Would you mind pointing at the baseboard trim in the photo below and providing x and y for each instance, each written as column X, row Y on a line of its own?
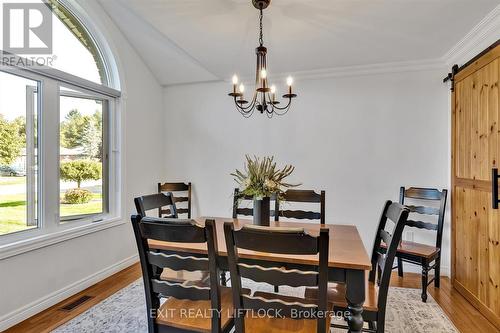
column 43, row 303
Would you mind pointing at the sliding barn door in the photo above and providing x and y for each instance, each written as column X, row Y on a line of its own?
column 475, row 152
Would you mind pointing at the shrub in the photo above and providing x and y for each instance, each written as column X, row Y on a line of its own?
column 80, row 170
column 77, row 196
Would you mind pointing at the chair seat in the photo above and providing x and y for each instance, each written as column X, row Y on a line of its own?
column 182, row 276
column 337, row 292
column 176, row 313
column 257, row 324
column 416, row 249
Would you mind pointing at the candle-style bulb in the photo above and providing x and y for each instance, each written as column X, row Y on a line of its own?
column 235, row 79
column 263, row 73
column 289, row 81
column 273, row 89
column 242, row 88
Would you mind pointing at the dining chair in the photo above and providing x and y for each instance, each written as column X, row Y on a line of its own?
column 282, row 313
column 237, row 210
column 158, row 201
column 377, row 284
column 183, row 299
column 301, row 196
column 184, row 196
column 429, row 257
column 238, row 199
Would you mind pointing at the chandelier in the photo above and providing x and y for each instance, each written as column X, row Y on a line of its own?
column 264, row 95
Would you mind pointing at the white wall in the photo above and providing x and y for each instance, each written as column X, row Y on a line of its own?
column 37, row 279
column 359, row 138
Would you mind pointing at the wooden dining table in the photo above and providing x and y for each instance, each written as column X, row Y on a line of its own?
column 348, row 261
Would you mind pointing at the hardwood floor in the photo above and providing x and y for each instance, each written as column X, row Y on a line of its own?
column 463, row 315
column 54, row 316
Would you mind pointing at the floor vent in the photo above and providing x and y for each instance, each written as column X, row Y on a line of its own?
column 76, row 303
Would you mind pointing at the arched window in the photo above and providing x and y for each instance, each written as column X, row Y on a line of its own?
column 58, row 123
column 72, row 40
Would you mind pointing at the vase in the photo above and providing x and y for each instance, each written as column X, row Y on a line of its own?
column 261, row 211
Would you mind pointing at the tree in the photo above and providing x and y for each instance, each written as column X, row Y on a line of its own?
column 20, row 122
column 82, row 131
column 97, row 116
column 72, row 129
column 90, row 140
column 11, row 142
column 80, row 170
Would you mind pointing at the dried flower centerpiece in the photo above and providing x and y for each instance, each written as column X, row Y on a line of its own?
column 262, row 180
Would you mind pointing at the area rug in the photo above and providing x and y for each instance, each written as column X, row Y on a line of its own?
column 125, row 311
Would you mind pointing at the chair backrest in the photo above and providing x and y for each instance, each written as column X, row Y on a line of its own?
column 304, row 196
column 153, row 262
column 426, row 195
column 238, row 199
column 156, row 201
column 277, row 240
column 382, row 258
column 184, row 196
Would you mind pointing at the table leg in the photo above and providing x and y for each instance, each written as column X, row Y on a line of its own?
column 355, row 296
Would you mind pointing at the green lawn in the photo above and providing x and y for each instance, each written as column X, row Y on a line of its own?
column 94, row 206
column 12, row 180
column 13, row 211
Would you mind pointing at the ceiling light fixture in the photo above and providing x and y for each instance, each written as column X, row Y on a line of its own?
column 264, row 96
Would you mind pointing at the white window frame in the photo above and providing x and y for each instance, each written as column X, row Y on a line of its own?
column 50, row 230
column 107, row 106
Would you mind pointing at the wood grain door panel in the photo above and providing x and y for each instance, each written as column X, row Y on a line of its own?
column 472, row 258
column 477, row 124
column 475, row 151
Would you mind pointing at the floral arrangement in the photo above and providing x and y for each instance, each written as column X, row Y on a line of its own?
column 261, row 178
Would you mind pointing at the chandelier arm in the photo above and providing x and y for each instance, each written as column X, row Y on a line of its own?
column 245, row 114
column 270, row 108
column 274, row 108
column 284, row 107
column 238, row 105
column 249, row 107
column 282, row 113
column 271, row 104
column 240, row 110
column 243, row 111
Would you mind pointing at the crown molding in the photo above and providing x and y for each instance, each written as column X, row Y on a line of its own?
column 485, row 33
column 345, row 71
column 371, row 69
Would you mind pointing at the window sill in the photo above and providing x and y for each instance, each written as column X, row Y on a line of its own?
column 37, row 242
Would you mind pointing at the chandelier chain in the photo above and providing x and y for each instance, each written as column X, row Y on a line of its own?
column 261, row 35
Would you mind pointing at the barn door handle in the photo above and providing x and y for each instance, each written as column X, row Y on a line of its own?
column 494, row 187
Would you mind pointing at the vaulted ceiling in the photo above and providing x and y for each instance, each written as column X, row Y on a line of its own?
column 186, row 41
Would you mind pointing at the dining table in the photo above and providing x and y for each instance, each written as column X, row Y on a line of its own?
column 348, row 260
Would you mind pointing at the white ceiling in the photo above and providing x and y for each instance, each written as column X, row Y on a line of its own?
column 185, row 41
